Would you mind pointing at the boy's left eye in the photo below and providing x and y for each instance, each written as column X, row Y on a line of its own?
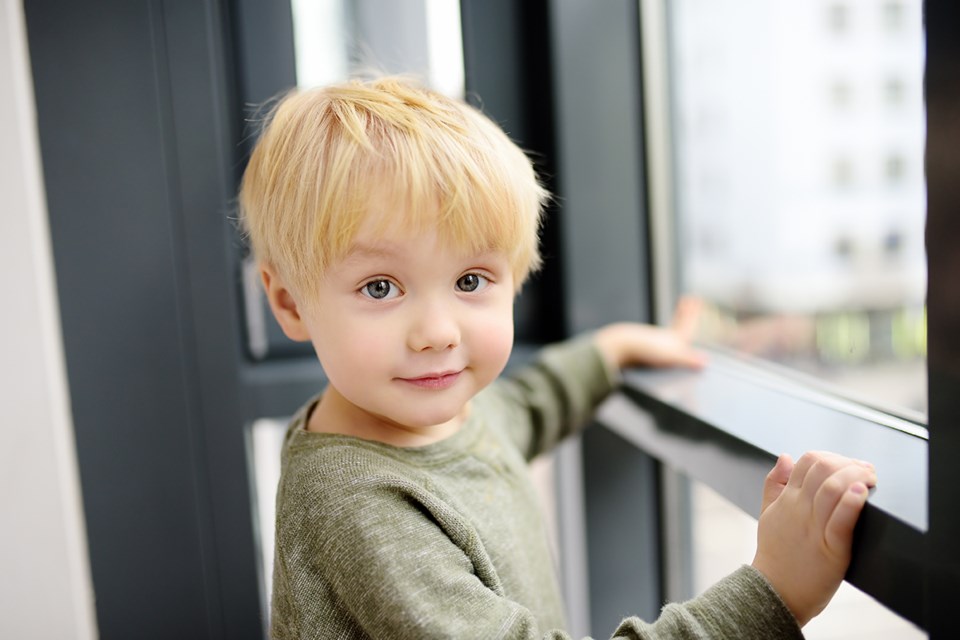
column 472, row 282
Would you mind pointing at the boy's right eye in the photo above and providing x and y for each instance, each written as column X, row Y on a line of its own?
column 380, row 290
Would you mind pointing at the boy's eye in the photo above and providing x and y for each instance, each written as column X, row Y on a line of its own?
column 472, row 282
column 380, row 290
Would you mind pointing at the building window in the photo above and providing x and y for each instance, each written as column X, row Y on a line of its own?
column 838, row 17
column 894, row 92
column 841, row 94
column 894, row 169
column 842, row 173
column 894, row 16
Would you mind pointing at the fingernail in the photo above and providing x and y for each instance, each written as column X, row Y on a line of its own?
column 858, row 488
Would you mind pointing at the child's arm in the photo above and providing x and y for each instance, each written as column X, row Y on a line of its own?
column 629, row 343
column 806, row 527
column 555, row 395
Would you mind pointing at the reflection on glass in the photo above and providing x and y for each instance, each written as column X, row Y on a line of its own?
column 336, row 39
column 798, row 147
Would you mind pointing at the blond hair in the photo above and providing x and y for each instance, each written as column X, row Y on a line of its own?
column 324, row 152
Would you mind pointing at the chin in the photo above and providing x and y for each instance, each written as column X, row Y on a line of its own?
column 431, row 419
column 430, row 422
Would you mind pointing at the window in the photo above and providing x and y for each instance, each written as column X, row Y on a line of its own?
column 821, row 275
column 800, row 215
column 838, row 17
column 894, row 15
column 894, row 92
column 841, row 94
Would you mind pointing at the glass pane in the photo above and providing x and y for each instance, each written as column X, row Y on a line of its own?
column 335, row 39
column 798, row 137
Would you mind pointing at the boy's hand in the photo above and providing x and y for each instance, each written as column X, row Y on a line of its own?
column 806, row 527
column 629, row 343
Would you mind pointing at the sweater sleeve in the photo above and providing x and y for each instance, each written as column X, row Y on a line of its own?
column 555, row 395
column 742, row 605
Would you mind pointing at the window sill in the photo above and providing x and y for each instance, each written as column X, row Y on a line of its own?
column 725, row 425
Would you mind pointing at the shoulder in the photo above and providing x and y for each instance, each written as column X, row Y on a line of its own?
column 348, row 504
column 320, row 469
column 341, row 482
column 337, row 494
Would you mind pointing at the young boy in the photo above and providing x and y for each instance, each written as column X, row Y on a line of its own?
column 393, row 227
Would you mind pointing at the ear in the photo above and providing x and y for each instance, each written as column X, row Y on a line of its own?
column 284, row 306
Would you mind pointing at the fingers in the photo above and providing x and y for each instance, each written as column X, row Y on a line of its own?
column 843, row 518
column 806, row 462
column 814, row 467
column 831, row 494
column 836, row 487
column 776, row 480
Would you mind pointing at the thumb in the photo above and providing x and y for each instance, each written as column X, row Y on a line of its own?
column 776, row 480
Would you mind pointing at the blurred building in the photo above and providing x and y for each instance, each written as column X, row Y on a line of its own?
column 799, row 171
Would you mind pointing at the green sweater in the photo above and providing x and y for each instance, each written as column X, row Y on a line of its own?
column 447, row 540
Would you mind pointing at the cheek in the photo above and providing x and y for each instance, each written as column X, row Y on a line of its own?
column 497, row 339
column 501, row 339
column 349, row 351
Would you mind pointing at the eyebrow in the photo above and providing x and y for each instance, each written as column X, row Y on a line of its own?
column 386, row 251
column 369, row 251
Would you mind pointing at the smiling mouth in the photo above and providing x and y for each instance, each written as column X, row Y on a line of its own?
column 433, row 381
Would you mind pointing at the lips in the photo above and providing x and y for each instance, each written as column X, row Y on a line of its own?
column 434, row 381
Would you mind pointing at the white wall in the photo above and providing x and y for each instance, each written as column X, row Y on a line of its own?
column 45, row 586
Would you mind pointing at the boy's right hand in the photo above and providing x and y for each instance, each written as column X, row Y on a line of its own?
column 806, row 527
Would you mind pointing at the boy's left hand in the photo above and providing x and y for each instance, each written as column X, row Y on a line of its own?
column 629, row 343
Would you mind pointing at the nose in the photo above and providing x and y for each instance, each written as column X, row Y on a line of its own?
column 433, row 326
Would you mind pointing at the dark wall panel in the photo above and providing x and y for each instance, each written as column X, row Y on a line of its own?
column 134, row 118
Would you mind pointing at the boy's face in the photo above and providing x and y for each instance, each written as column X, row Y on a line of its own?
column 408, row 329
